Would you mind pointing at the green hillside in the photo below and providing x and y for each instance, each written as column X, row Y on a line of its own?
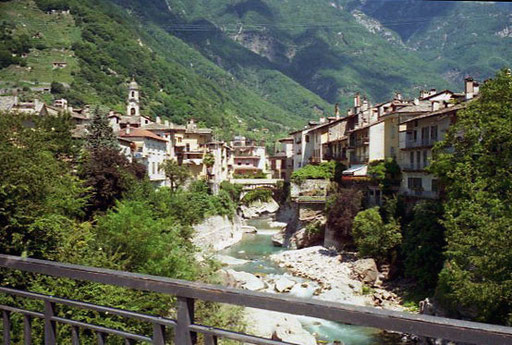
column 104, row 47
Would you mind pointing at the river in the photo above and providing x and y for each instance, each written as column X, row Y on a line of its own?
column 258, row 247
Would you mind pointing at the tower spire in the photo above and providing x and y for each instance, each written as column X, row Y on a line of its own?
column 133, row 104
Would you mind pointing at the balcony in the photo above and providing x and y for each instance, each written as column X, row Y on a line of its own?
column 183, row 330
column 359, row 160
column 414, row 167
column 416, row 144
column 315, row 160
column 422, row 194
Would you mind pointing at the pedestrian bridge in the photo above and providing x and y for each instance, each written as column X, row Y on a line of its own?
column 183, row 330
column 249, row 184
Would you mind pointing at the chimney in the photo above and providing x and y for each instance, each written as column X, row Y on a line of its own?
column 337, row 110
column 366, row 104
column 166, row 123
column 416, row 101
column 357, row 100
column 323, row 120
column 469, row 88
column 423, row 94
column 432, row 92
column 128, row 129
column 158, row 120
column 398, row 96
column 435, row 106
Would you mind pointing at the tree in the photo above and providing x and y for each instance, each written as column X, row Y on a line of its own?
column 474, row 164
column 386, row 173
column 341, row 209
column 101, row 135
column 177, row 174
column 373, row 237
column 423, row 244
column 57, row 88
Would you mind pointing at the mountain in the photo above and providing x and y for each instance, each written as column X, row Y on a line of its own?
column 104, row 46
column 245, row 66
column 459, row 38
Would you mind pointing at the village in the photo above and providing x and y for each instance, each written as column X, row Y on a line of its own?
column 401, row 130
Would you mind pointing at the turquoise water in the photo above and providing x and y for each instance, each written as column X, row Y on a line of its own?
column 258, row 247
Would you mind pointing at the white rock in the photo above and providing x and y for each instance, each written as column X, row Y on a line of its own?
column 284, row 284
column 290, row 330
column 249, row 229
column 247, row 281
column 279, row 225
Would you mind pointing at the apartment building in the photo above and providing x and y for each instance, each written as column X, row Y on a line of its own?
column 249, row 157
column 281, row 162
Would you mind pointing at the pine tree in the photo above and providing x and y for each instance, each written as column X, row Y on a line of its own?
column 101, row 135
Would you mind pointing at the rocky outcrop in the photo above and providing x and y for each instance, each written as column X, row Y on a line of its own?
column 366, row 271
column 290, row 330
column 278, row 239
column 278, row 326
column 217, row 233
column 242, row 280
column 259, row 208
column 284, row 284
column 307, row 238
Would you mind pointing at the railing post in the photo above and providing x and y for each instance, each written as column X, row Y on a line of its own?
column 210, row 340
column 158, row 334
column 50, row 334
column 185, row 319
column 75, row 336
column 101, row 338
column 27, row 330
column 7, row 327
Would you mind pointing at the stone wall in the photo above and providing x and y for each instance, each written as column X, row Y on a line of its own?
column 217, row 233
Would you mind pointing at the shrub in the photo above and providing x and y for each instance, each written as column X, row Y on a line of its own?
column 341, row 208
column 233, row 190
column 373, row 237
column 261, row 194
column 326, row 171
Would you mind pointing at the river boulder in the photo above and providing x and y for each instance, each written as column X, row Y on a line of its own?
column 284, row 284
column 278, row 239
column 246, row 280
column 290, row 330
column 366, row 271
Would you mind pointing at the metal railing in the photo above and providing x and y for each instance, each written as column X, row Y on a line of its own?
column 184, row 326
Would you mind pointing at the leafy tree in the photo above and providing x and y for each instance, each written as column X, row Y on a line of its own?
column 423, row 244
column 474, row 164
column 341, row 209
column 209, row 160
column 108, row 175
column 101, row 135
column 386, row 173
column 176, row 173
column 373, row 237
column 57, row 88
column 325, row 170
column 234, row 190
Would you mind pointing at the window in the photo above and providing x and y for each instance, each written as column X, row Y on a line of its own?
column 414, row 183
column 425, row 158
column 132, row 111
column 411, row 159
column 307, row 138
column 133, row 94
column 433, row 133
column 415, row 135
column 418, row 159
column 425, row 135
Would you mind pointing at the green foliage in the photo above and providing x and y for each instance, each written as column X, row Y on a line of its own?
column 341, row 208
column 324, row 170
column 477, row 278
column 57, row 88
column 260, row 194
column 209, row 160
column 101, row 136
column 423, row 244
column 250, row 175
column 176, row 173
column 386, row 173
column 373, row 237
column 234, row 190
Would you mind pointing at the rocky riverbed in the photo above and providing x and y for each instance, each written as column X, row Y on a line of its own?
column 315, row 272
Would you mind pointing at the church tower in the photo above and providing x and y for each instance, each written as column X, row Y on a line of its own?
column 133, row 107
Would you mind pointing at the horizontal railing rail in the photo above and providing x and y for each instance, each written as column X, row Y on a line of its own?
column 185, row 328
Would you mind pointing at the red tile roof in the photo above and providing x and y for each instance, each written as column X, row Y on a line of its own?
column 140, row 133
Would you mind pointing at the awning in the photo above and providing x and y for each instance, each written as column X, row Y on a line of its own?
column 356, row 170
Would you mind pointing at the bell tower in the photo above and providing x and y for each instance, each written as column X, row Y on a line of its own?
column 133, row 106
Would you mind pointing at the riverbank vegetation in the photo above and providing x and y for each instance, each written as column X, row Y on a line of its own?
column 50, row 192
column 456, row 249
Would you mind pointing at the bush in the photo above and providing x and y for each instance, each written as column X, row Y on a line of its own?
column 233, row 190
column 323, row 171
column 261, row 194
column 341, row 208
column 373, row 237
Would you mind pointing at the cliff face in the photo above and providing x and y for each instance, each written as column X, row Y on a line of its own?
column 217, row 233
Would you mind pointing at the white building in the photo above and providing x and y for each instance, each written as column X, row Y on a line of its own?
column 148, row 149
